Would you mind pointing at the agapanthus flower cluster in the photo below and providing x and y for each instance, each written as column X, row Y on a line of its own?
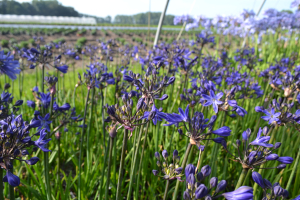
column 279, row 113
column 168, row 170
column 257, row 152
column 5, row 104
column 221, row 102
column 246, row 57
column 126, row 116
column 17, row 142
column 270, row 192
column 195, row 189
column 198, row 128
column 150, row 86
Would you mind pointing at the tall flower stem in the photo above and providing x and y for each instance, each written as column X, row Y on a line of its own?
column 102, row 109
column 182, row 165
column 124, row 147
column 242, row 178
column 166, row 189
column 111, row 142
column 293, row 171
column 11, row 188
column 89, row 130
column 81, row 145
column 134, row 163
column 142, row 156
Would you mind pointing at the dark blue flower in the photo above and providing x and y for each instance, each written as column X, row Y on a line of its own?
column 285, row 160
column 63, row 69
column 213, row 99
column 40, row 143
column 31, row 104
column 12, row 179
column 271, row 116
column 224, row 131
column 45, row 99
column 158, row 115
column 261, row 140
column 175, row 118
column 45, row 122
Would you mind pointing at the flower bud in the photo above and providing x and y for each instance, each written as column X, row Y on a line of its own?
column 158, row 163
column 165, row 154
column 201, row 191
column 277, row 145
column 113, row 132
column 258, row 179
column 268, row 184
column 206, row 170
column 221, row 186
column 157, row 156
column 175, row 154
column 155, row 172
column 272, row 156
column 180, row 131
column 6, row 86
column 57, row 135
column 238, row 142
column 278, row 191
column 186, row 195
column 213, row 182
column 281, row 166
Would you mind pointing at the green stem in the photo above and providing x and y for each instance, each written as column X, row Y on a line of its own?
column 102, row 175
column 182, row 165
column 242, row 178
column 166, row 189
column 103, row 125
column 134, row 163
column 111, row 141
column 142, row 155
column 81, row 145
column 89, row 130
column 124, row 147
column 293, row 172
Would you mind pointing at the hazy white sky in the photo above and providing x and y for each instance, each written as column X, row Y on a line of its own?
column 209, row 8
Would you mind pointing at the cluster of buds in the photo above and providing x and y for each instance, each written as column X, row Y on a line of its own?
column 125, row 116
column 6, row 101
column 150, row 87
column 198, row 128
column 15, row 143
column 51, row 82
column 256, row 153
column 169, row 170
column 275, row 191
column 195, row 189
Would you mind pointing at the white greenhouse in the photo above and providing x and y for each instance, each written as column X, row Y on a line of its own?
column 47, row 19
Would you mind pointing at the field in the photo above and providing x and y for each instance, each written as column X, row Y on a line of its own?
column 114, row 158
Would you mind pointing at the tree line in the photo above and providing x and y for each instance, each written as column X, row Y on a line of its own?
column 54, row 8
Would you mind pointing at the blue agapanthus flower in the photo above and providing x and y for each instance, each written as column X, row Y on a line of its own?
column 45, row 99
column 213, row 99
column 158, row 115
column 9, row 66
column 45, row 122
column 271, row 116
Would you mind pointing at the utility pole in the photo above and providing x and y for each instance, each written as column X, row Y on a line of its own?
column 161, row 20
column 262, row 5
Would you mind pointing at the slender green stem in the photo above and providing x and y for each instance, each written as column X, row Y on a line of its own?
column 242, row 178
column 187, row 152
column 166, row 189
column 102, row 175
column 111, row 142
column 293, row 172
column 102, row 111
column 142, row 156
column 124, row 147
column 134, row 164
column 81, row 144
column 89, row 130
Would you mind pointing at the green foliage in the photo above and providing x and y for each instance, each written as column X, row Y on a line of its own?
column 59, row 40
column 31, row 42
column 23, row 44
column 80, row 42
column 4, row 43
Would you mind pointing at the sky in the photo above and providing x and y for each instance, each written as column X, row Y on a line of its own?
column 208, row 8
